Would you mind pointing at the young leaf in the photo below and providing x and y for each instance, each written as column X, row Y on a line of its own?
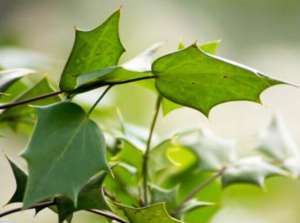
column 24, row 113
column 220, row 155
column 8, row 77
column 75, row 151
column 213, row 152
column 199, row 80
column 149, row 214
column 21, row 180
column 251, row 170
column 93, row 50
column 90, row 197
column 277, row 144
column 168, row 196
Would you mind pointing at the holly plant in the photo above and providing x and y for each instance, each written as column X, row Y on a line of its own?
column 77, row 160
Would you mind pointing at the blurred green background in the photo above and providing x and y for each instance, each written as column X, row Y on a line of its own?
column 264, row 34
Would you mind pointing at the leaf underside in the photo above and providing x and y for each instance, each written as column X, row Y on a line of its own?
column 199, row 80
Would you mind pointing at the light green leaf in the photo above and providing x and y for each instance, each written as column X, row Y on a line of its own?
column 252, row 170
column 277, row 144
column 220, row 155
column 213, row 152
column 149, row 214
column 93, row 50
column 24, row 113
column 75, row 151
column 192, row 205
column 168, row 196
column 130, row 154
column 139, row 66
column 193, row 78
column 208, row 47
column 21, row 180
column 8, row 77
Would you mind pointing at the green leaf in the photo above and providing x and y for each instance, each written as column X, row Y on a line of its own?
column 129, row 154
column 215, row 154
column 168, row 196
column 9, row 77
column 149, row 214
column 21, row 180
column 75, row 151
column 24, row 113
column 251, row 170
column 208, row 47
column 276, row 143
column 93, row 50
column 139, row 66
column 193, row 205
column 193, row 78
column 90, row 197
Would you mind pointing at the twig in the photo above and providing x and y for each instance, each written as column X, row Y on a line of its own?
column 39, row 205
column 196, row 190
column 99, row 99
column 17, row 103
column 107, row 215
column 146, row 154
column 77, row 90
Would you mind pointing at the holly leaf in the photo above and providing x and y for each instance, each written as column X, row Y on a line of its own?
column 25, row 113
column 208, row 47
column 9, row 77
column 168, row 196
column 276, row 143
column 139, row 66
column 75, row 151
column 90, row 197
column 149, row 214
column 130, row 154
column 21, row 180
column 251, row 170
column 213, row 152
column 183, row 78
column 216, row 154
column 93, row 50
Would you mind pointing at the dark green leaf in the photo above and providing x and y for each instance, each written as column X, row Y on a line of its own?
column 199, row 80
column 93, row 50
column 75, row 151
column 90, row 197
column 21, row 180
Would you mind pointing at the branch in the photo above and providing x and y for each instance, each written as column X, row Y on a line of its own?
column 39, row 205
column 17, row 103
column 50, row 203
column 146, row 155
column 200, row 187
column 77, row 90
column 108, row 215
